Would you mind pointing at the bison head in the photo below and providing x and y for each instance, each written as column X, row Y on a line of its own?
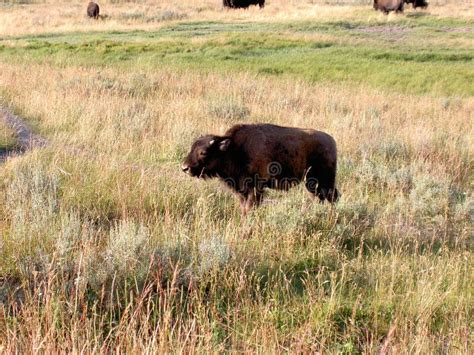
column 206, row 156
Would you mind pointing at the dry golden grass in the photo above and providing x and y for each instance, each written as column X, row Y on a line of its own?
column 105, row 245
column 116, row 140
column 417, row 121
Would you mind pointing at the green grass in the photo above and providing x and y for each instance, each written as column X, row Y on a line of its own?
column 7, row 138
column 423, row 58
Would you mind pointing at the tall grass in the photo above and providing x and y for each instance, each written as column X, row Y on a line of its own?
column 105, row 245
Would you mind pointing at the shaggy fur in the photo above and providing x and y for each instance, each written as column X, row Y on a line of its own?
column 236, row 4
column 251, row 157
column 389, row 5
column 93, row 10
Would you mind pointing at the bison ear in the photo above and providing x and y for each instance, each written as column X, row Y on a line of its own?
column 223, row 145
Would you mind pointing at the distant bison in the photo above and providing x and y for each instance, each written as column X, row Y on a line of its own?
column 93, row 10
column 417, row 3
column 389, row 5
column 251, row 157
column 236, row 4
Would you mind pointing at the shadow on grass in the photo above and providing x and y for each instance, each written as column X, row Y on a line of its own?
column 11, row 150
column 417, row 14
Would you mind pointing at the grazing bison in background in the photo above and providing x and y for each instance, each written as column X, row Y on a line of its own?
column 417, row 3
column 239, row 4
column 251, row 157
column 93, row 10
column 389, row 5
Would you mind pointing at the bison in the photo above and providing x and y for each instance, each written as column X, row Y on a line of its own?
column 389, row 5
column 93, row 10
column 417, row 3
column 251, row 157
column 239, row 4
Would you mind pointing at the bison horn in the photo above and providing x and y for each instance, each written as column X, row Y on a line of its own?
column 211, row 142
column 224, row 144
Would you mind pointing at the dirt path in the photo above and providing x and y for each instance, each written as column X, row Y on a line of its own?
column 26, row 138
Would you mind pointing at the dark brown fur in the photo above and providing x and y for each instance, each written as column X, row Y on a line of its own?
column 93, row 10
column 389, row 5
column 417, row 3
column 236, row 4
column 251, row 157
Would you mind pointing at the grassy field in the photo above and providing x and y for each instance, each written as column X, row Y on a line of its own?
column 105, row 244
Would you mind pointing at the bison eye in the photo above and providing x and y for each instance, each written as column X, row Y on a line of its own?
column 202, row 153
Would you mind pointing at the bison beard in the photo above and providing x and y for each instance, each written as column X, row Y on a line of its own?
column 93, row 10
column 250, row 158
column 236, row 4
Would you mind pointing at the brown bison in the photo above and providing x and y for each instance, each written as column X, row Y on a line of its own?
column 93, row 10
column 251, row 157
column 417, row 3
column 389, row 5
column 243, row 4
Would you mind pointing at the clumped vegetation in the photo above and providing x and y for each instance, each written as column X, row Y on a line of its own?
column 7, row 138
column 106, row 245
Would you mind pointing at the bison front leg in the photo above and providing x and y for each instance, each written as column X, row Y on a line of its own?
column 243, row 202
column 248, row 201
column 321, row 184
